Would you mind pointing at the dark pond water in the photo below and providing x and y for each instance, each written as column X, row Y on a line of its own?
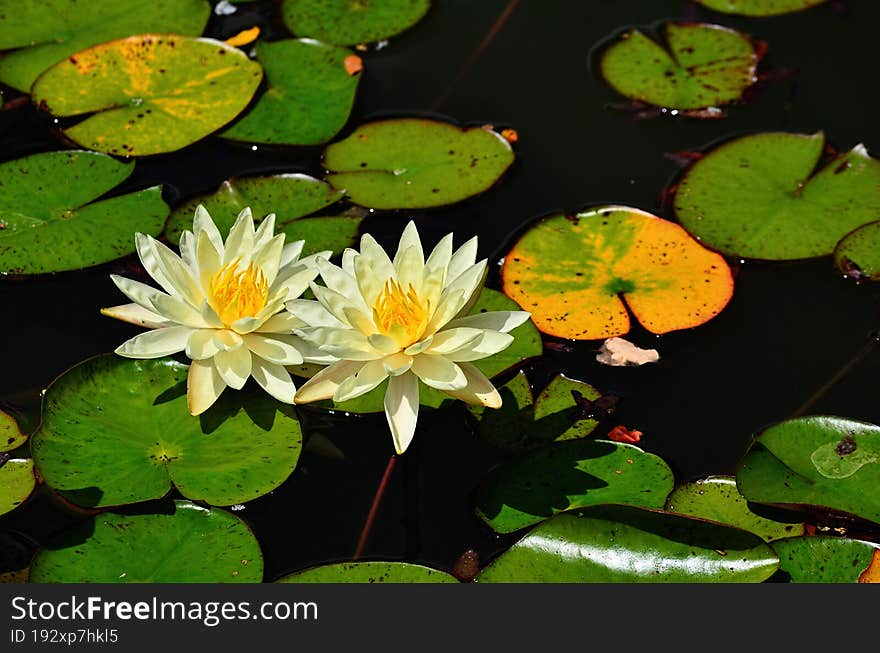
column 789, row 330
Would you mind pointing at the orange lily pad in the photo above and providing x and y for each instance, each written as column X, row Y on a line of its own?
column 578, row 274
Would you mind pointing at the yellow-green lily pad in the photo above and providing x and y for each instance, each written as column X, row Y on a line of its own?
column 825, row 559
column 761, row 196
column 47, row 31
column 351, row 22
column 51, row 221
column 412, row 163
column 16, row 483
column 118, row 431
column 149, row 93
column 759, row 7
column 698, row 66
column 308, row 97
column 370, row 572
column 181, row 543
column 857, row 255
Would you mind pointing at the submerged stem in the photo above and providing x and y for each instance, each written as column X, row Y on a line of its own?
column 371, row 516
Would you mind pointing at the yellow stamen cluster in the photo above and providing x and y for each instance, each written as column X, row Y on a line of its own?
column 238, row 293
column 400, row 314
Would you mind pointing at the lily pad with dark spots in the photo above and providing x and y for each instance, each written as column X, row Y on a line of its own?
column 13, row 432
column 716, row 498
column 351, row 22
column 150, row 93
column 762, row 196
column 857, row 255
column 620, row 544
column 308, row 97
column 824, row 559
column 820, row 463
column 698, row 66
column 16, row 483
column 569, row 475
column 369, row 572
column 180, row 543
column 118, row 431
column 411, row 163
column 288, row 196
column 577, row 274
column 51, row 222
column 48, row 31
column 760, row 7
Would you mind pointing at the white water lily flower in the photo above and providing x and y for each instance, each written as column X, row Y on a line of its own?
column 223, row 305
column 406, row 319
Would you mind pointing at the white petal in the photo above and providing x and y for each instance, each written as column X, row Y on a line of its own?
column 419, row 347
column 342, row 343
column 479, row 390
column 168, row 270
column 187, row 249
column 438, row 372
column 464, row 257
column 490, row 343
column 458, row 296
column 503, row 321
column 402, row 409
column 248, row 324
column 410, row 268
column 311, row 353
column 209, row 260
column 279, row 349
column 360, row 320
column 156, row 343
column 227, row 340
column 283, row 322
column 139, row 293
column 409, row 239
column 342, row 283
column 323, row 385
column 201, row 344
column 290, row 253
column 312, row 260
column 203, row 224
column 234, row 366
column 274, row 379
column 210, row 317
column 268, row 258
column 397, row 364
column 450, row 340
column 265, row 231
column 333, row 301
column 372, row 268
column 434, row 276
column 293, row 280
column 383, row 343
column 137, row 314
column 203, row 386
column 312, row 313
column 367, row 378
column 240, row 242
column 348, row 256
column 172, row 308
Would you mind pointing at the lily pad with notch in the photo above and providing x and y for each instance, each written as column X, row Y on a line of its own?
column 117, row 431
column 308, row 98
column 761, row 196
column 826, row 559
column 717, row 499
column 567, row 476
column 823, row 463
column 52, row 222
column 412, row 163
column 576, row 274
column 180, row 543
column 698, row 67
column 14, row 430
column 622, row 544
column 758, row 8
column 857, row 255
column 351, row 22
column 16, row 482
column 369, row 572
column 150, row 93
column 48, row 31
column 288, row 196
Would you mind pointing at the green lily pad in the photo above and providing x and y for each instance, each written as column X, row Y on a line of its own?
column 48, row 31
column 185, row 544
column 699, row 66
column 858, row 253
column 716, row 498
column 526, row 344
column 50, row 221
column 148, row 94
column 523, row 423
column 12, row 433
column 761, row 197
column 569, row 475
column 816, row 462
column 16, row 483
column 308, row 97
column 759, row 7
column 288, row 196
column 370, row 572
column 619, row 544
column 416, row 163
column 118, row 431
column 351, row 22
column 573, row 273
column 822, row 559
